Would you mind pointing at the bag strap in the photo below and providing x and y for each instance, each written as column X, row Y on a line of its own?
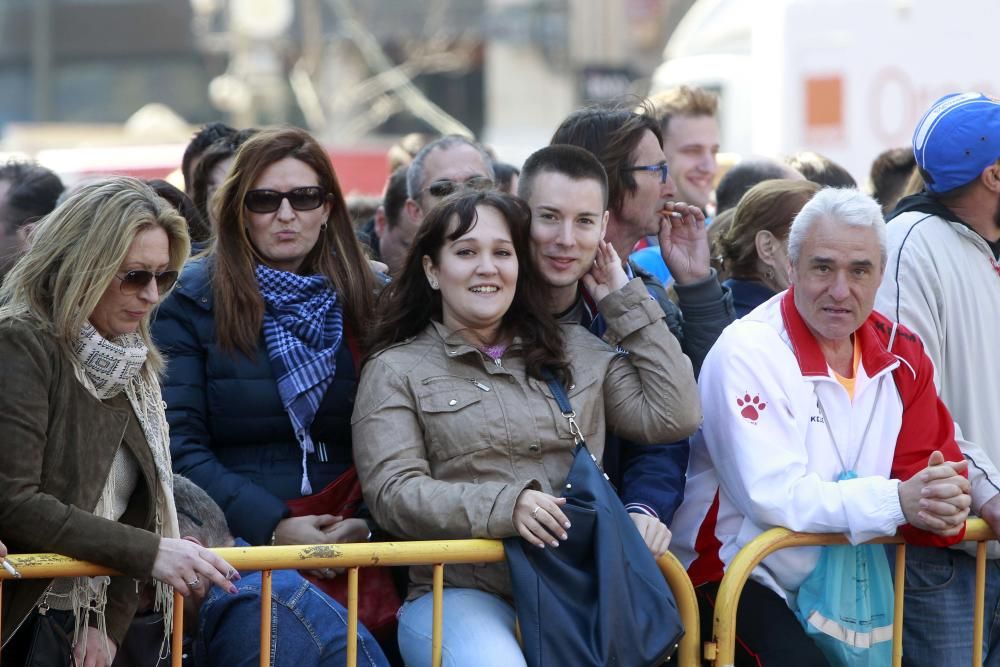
column 559, row 393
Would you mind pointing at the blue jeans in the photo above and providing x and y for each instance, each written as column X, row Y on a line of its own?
column 937, row 614
column 478, row 630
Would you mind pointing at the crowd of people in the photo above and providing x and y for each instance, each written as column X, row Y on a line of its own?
column 246, row 362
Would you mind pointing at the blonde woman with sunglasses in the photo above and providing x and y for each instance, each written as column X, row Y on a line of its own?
column 85, row 467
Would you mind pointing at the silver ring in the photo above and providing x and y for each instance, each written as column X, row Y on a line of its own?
column 534, row 512
column 231, row 573
column 192, row 584
column 327, row 571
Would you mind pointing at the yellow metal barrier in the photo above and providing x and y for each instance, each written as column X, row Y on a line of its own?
column 352, row 557
column 722, row 649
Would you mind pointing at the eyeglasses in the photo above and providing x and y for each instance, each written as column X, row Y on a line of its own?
column 134, row 281
column 441, row 189
column 661, row 167
column 269, row 201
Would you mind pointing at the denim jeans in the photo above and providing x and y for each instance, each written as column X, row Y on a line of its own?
column 478, row 630
column 937, row 614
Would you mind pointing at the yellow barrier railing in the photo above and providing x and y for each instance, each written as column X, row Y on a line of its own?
column 722, row 649
column 352, row 557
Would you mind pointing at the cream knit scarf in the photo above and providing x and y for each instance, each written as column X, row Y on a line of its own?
column 106, row 368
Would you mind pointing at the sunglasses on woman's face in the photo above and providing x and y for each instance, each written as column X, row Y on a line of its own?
column 443, row 188
column 134, row 281
column 269, row 201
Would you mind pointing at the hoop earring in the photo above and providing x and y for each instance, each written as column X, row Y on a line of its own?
column 769, row 274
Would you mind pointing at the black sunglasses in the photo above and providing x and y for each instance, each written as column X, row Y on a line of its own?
column 442, row 189
column 269, row 201
column 133, row 281
column 660, row 167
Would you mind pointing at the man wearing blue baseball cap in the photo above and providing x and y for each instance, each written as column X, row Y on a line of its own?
column 942, row 281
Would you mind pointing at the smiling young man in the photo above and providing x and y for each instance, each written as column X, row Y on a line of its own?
column 688, row 122
column 567, row 191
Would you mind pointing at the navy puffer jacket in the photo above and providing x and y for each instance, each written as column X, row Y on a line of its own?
column 229, row 432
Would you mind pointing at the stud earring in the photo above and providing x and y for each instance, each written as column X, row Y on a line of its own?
column 322, row 227
column 434, row 284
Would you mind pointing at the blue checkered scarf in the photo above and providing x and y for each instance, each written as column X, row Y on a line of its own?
column 303, row 329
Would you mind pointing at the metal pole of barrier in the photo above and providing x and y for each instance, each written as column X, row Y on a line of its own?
column 724, row 622
column 438, row 621
column 177, row 638
column 687, row 606
column 980, row 604
column 899, row 587
column 265, row 618
column 1, row 612
column 352, row 617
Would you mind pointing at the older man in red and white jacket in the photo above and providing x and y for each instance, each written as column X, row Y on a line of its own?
column 808, row 386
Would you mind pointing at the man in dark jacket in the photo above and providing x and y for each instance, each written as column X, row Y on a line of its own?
column 641, row 202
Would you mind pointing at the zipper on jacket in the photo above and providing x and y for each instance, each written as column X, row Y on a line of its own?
column 478, row 384
column 499, row 362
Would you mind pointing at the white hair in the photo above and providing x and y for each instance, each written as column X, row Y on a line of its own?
column 847, row 206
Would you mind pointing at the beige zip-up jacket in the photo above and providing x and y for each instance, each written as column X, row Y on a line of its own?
column 445, row 439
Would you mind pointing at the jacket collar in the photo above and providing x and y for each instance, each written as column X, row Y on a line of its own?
column 195, row 281
column 456, row 345
column 875, row 357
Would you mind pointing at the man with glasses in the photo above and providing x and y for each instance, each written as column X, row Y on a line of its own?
column 687, row 118
column 641, row 202
column 442, row 167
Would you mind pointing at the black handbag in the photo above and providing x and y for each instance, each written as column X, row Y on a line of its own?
column 599, row 598
column 45, row 640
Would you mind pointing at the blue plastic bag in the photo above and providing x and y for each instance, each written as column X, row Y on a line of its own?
column 846, row 604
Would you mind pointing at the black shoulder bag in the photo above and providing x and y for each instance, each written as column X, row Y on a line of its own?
column 599, row 598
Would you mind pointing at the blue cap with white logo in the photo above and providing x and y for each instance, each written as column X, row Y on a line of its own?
column 956, row 139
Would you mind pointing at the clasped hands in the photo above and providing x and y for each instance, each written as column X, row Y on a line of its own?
column 937, row 498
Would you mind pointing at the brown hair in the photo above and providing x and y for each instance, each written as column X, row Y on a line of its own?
column 408, row 304
column 769, row 206
column 682, row 101
column 239, row 306
column 612, row 135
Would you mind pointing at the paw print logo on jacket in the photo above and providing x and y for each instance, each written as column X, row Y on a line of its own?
column 751, row 407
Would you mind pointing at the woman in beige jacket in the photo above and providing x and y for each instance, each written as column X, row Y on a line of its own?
column 456, row 434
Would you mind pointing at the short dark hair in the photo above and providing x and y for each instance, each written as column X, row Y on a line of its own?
column 33, row 193
column 221, row 149
column 395, row 196
column 744, row 175
column 198, row 228
column 612, row 135
column 201, row 140
column 889, row 174
column 822, row 170
column 198, row 515
column 408, row 304
column 571, row 161
column 505, row 173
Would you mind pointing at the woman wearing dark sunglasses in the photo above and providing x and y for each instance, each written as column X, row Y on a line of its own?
column 85, row 468
column 260, row 333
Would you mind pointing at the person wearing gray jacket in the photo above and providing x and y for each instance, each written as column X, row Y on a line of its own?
column 457, row 433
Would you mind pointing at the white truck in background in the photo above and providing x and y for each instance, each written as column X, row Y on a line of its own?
column 845, row 78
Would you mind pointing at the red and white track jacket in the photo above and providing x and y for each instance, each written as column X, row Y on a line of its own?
column 764, row 456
